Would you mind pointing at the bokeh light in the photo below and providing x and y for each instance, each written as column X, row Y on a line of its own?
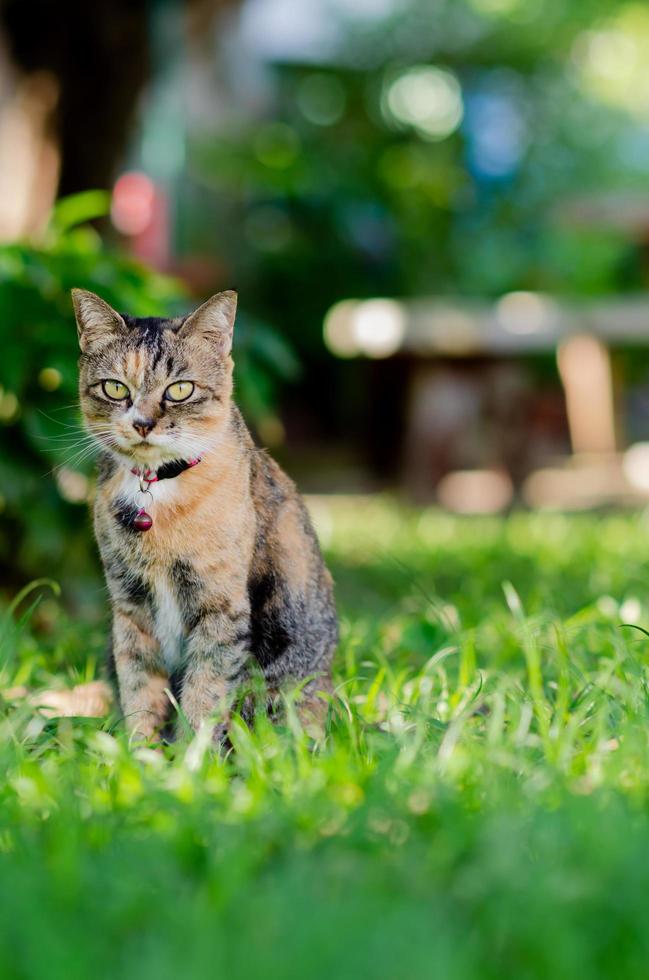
column 612, row 60
column 514, row 11
column 50, row 379
column 321, row 99
column 373, row 328
column 475, row 491
column 277, row 146
column 9, row 406
column 635, row 465
column 495, row 128
column 526, row 313
column 425, row 98
column 72, row 486
column 133, row 203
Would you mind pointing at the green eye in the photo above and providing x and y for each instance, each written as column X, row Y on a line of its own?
column 115, row 390
column 179, row 391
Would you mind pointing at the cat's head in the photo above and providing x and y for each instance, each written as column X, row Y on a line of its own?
column 154, row 390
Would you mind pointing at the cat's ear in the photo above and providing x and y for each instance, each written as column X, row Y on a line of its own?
column 214, row 320
column 95, row 319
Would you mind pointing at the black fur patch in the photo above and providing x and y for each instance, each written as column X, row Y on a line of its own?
column 189, row 588
column 135, row 589
column 269, row 636
column 125, row 513
column 132, row 586
column 148, row 326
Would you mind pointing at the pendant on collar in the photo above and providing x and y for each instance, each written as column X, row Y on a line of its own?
column 143, row 521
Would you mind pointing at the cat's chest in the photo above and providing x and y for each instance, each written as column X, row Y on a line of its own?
column 126, row 491
column 149, row 556
column 168, row 621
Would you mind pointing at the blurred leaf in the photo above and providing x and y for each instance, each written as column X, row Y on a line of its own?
column 38, row 528
column 79, row 208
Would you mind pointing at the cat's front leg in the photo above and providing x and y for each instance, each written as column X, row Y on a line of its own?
column 217, row 656
column 141, row 679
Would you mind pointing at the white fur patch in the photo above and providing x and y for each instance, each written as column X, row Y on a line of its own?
column 160, row 492
column 168, row 624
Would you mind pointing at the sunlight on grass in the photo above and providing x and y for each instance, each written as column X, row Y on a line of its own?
column 477, row 808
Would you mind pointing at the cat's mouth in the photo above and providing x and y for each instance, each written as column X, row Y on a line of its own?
column 151, row 451
column 142, row 445
column 141, row 451
column 144, row 448
column 153, row 454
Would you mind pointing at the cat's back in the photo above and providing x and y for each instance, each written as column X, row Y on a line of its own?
column 293, row 615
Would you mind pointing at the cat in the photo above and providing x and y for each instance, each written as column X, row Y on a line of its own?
column 213, row 568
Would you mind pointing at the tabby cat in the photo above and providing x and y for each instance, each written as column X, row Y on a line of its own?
column 211, row 561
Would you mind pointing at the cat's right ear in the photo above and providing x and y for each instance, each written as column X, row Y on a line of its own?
column 95, row 319
column 214, row 321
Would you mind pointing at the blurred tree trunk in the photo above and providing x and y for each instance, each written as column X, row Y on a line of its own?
column 72, row 73
column 97, row 57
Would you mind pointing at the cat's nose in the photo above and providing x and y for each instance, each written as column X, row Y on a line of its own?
column 143, row 426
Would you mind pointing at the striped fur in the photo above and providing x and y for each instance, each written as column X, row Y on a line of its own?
column 229, row 581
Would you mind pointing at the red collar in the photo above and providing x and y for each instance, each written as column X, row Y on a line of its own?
column 167, row 471
column 141, row 520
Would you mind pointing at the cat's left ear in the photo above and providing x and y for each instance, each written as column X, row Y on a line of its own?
column 96, row 320
column 214, row 320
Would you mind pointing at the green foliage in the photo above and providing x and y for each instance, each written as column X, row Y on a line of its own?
column 41, row 525
column 478, row 809
column 39, row 425
column 326, row 196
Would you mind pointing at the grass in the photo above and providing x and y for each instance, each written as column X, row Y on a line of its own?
column 479, row 807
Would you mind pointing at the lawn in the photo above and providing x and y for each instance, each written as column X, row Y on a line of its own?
column 479, row 807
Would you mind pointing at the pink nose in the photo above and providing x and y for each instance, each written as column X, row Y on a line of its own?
column 143, row 426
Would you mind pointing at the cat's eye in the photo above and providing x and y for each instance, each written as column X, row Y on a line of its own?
column 179, row 391
column 115, row 390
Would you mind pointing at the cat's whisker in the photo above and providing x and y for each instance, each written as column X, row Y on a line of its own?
column 67, row 425
column 83, row 452
column 75, row 459
column 64, row 408
column 73, row 442
column 71, row 439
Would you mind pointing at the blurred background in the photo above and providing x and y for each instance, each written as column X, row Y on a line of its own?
column 436, row 213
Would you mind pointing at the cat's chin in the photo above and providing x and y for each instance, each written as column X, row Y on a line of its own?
column 150, row 456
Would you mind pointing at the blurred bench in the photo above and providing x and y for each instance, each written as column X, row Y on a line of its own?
column 470, row 402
